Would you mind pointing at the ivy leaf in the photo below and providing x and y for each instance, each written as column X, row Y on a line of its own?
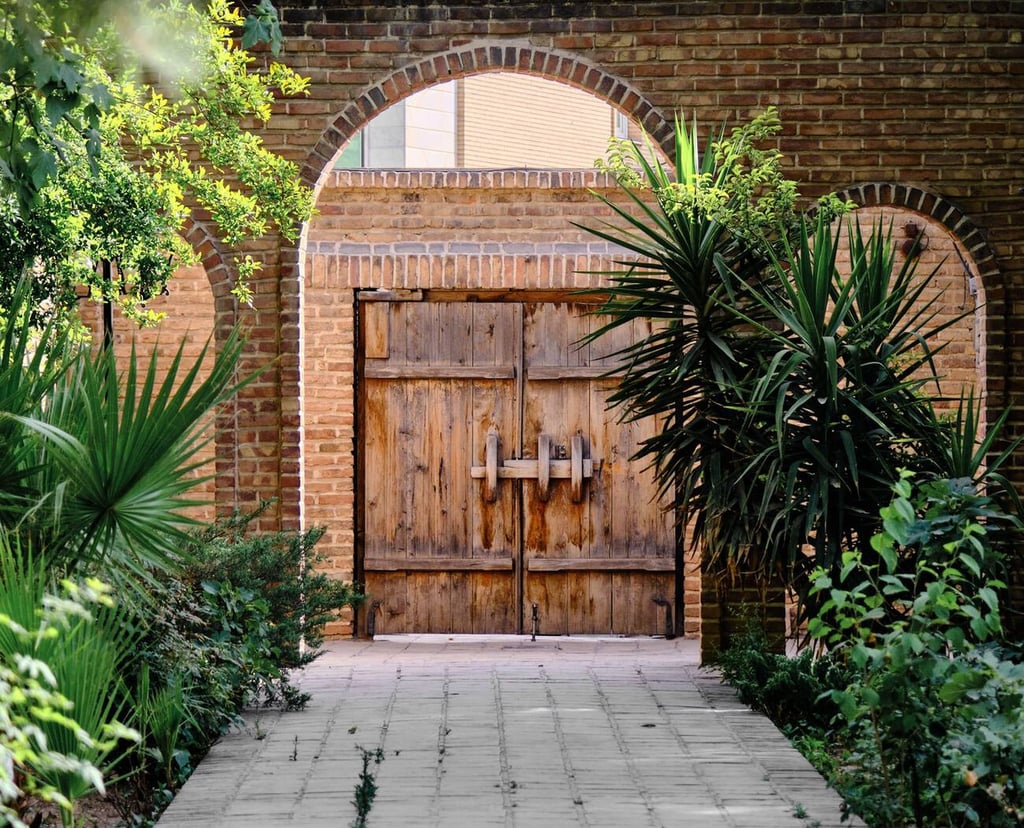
column 262, row 25
column 57, row 106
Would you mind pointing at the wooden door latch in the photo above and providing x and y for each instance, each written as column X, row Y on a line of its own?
column 576, row 468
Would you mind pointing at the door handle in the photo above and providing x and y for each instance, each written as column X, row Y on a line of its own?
column 576, row 474
column 576, row 469
column 544, row 466
column 491, row 466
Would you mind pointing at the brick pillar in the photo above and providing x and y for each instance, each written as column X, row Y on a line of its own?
column 732, row 600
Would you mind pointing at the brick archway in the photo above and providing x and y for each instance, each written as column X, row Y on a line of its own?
column 475, row 59
column 330, row 503
column 940, row 210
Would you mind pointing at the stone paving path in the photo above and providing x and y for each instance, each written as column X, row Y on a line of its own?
column 499, row 730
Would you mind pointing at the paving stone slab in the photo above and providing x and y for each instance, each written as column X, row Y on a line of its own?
column 501, row 730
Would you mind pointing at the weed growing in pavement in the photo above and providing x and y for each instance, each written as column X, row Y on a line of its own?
column 366, row 790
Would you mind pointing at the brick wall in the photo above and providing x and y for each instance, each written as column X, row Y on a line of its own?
column 916, row 104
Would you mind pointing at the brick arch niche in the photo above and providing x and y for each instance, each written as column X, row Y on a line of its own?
column 492, row 231
column 957, row 266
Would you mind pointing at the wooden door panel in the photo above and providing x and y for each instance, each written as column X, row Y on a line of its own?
column 436, row 554
column 629, row 521
column 593, row 566
column 438, row 377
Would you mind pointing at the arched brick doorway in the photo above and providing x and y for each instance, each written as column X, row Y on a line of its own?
column 510, row 268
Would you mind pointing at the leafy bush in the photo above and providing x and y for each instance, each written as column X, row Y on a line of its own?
column 61, row 701
column 222, row 633
column 984, row 751
column 280, row 567
column 934, row 708
column 792, row 692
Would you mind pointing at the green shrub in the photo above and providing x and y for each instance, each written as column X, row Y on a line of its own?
column 281, row 567
column 222, row 633
column 792, row 692
column 203, row 656
column 984, row 752
column 935, row 730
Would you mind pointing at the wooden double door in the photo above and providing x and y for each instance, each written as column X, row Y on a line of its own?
column 496, row 485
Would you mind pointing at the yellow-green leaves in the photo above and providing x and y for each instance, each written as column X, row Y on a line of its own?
column 103, row 163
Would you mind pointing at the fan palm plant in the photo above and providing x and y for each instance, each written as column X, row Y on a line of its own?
column 96, row 464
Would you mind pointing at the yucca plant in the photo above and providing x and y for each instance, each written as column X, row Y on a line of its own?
column 790, row 390
column 837, row 391
column 690, row 371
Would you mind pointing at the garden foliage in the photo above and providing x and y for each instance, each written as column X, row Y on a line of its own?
column 793, row 393
column 113, row 126
column 59, row 709
column 933, row 712
column 116, row 120
column 94, row 474
column 911, row 704
column 791, row 389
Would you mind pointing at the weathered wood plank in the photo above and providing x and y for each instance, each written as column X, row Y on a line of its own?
column 433, row 371
column 390, row 590
column 378, row 521
column 543, row 373
column 460, row 600
column 437, row 564
column 550, row 593
column 660, row 564
column 395, row 295
column 376, row 323
column 492, row 603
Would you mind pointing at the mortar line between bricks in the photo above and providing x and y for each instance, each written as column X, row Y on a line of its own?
column 570, row 771
column 325, row 737
column 635, row 776
column 683, row 744
column 442, row 734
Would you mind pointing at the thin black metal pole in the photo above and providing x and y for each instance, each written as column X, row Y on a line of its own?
column 108, row 305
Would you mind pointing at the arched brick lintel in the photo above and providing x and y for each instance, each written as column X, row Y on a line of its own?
column 216, row 262
column 943, row 212
column 475, row 59
column 980, row 252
